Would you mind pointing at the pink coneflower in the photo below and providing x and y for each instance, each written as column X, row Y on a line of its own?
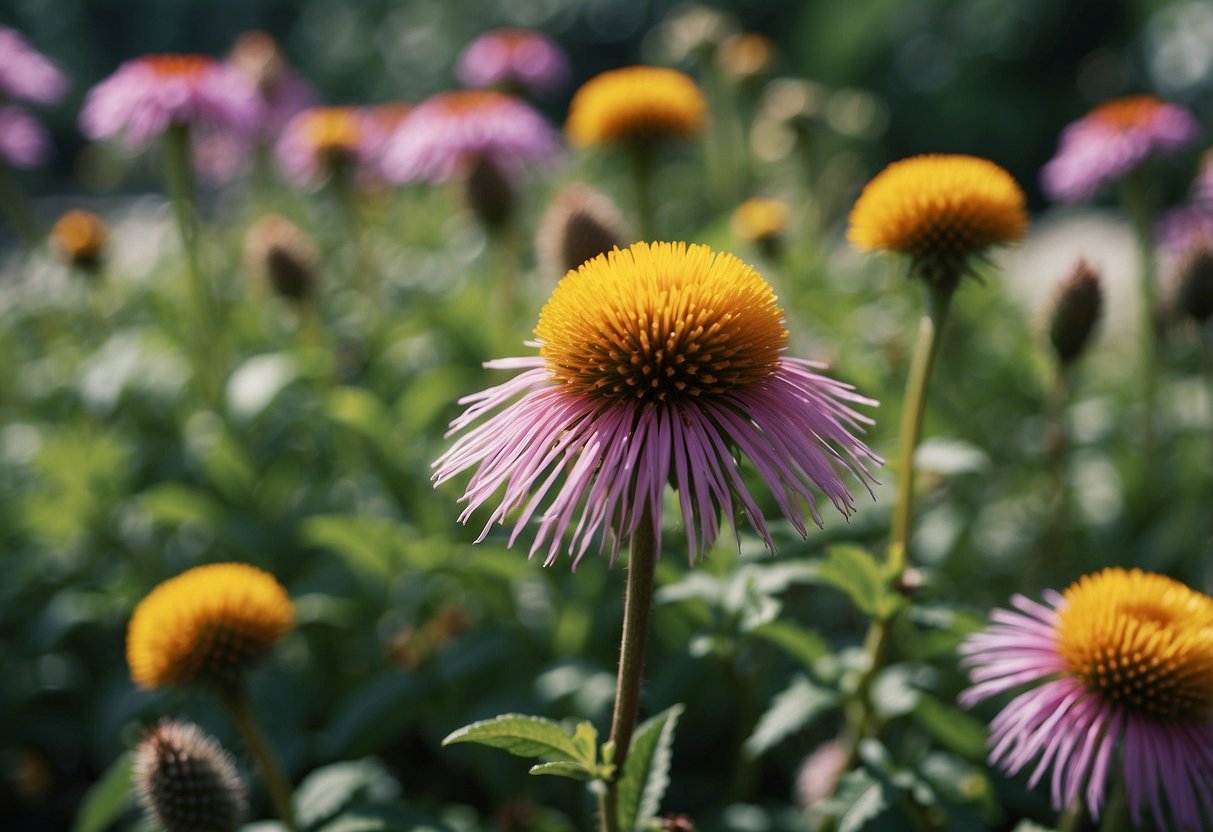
column 24, row 143
column 146, row 95
column 26, row 74
column 658, row 365
column 520, row 59
column 455, row 129
column 1122, row 658
column 319, row 138
column 1111, row 141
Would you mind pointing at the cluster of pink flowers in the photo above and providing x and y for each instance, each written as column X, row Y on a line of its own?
column 26, row 76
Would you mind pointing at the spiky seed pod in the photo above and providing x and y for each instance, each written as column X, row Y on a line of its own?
column 283, row 256
column 1076, row 309
column 1194, row 284
column 489, row 192
column 580, row 224
column 185, row 780
column 78, row 239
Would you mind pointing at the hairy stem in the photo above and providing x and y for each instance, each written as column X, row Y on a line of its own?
column 236, row 701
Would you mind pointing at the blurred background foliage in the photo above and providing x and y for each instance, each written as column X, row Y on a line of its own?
column 115, row 474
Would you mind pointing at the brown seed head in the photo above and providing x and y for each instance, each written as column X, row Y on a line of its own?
column 1075, row 311
column 279, row 253
column 185, row 780
column 580, row 224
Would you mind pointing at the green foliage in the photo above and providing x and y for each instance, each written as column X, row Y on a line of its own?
column 328, row 790
column 646, row 773
column 532, row 736
column 108, row 798
column 854, row 572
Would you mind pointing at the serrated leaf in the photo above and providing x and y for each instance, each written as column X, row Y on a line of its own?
column 563, row 769
column 646, row 773
column 951, row 727
column 894, row 692
column 524, row 736
column 791, row 710
column 107, row 799
column 857, row 575
column 806, row 646
column 327, row 790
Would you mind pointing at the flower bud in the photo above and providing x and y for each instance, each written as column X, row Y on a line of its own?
column 1075, row 312
column 489, row 192
column 1194, row 286
column 820, row 772
column 185, row 780
column 580, row 224
column 761, row 221
column 78, row 239
column 279, row 253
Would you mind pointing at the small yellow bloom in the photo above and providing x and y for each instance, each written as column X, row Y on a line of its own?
column 79, row 238
column 206, row 625
column 638, row 103
column 332, row 130
column 760, row 219
column 939, row 209
column 1143, row 640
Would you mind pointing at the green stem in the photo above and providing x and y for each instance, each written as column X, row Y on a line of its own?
column 638, row 601
column 1136, row 200
column 17, row 208
column 1116, row 811
column 1070, row 819
column 236, row 701
column 179, row 178
column 1055, row 462
column 643, row 154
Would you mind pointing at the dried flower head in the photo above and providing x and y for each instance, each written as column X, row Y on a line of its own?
column 1111, row 141
column 185, row 780
column 278, row 252
column 146, row 95
column 580, row 224
column 521, row 60
column 447, row 133
column 941, row 210
column 1122, row 660
column 207, row 625
column 659, row 365
column 78, row 238
column 635, row 104
column 1076, row 308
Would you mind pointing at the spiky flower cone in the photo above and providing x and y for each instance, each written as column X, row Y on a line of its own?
column 1075, row 311
column 277, row 252
column 489, row 192
column 185, row 780
column 1194, row 288
column 580, row 224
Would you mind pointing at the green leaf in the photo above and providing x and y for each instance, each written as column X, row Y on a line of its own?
column 257, row 382
column 327, row 790
column 374, row 546
column 951, row 727
column 646, row 773
column 857, row 574
column 525, row 736
column 859, row 799
column 791, row 710
column 563, row 769
column 382, row 818
column 806, row 646
column 107, row 799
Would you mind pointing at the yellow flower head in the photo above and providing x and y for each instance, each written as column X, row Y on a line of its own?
column 760, row 219
column 332, row 130
column 206, row 625
column 1142, row 640
column 637, row 103
column 940, row 210
column 661, row 321
column 79, row 238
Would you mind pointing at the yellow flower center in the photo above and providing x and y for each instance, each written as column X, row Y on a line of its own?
column 467, row 101
column 333, row 129
column 637, row 103
column 938, row 207
column 1141, row 640
column 178, row 66
column 661, row 322
column 208, row 624
column 1127, row 113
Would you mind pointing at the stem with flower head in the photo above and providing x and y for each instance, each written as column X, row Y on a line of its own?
column 179, row 177
column 1136, row 198
column 235, row 701
column 638, row 601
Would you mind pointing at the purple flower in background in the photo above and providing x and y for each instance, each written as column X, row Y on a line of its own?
column 24, row 142
column 26, row 74
column 1123, row 659
column 454, row 128
column 320, row 137
column 146, row 95
column 514, row 59
column 1111, row 141
column 659, row 365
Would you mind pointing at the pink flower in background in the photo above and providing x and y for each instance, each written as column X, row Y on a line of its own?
column 26, row 74
column 1121, row 661
column 319, row 138
column 24, row 142
column 519, row 59
column 453, row 128
column 146, row 95
column 1111, row 141
column 659, row 365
